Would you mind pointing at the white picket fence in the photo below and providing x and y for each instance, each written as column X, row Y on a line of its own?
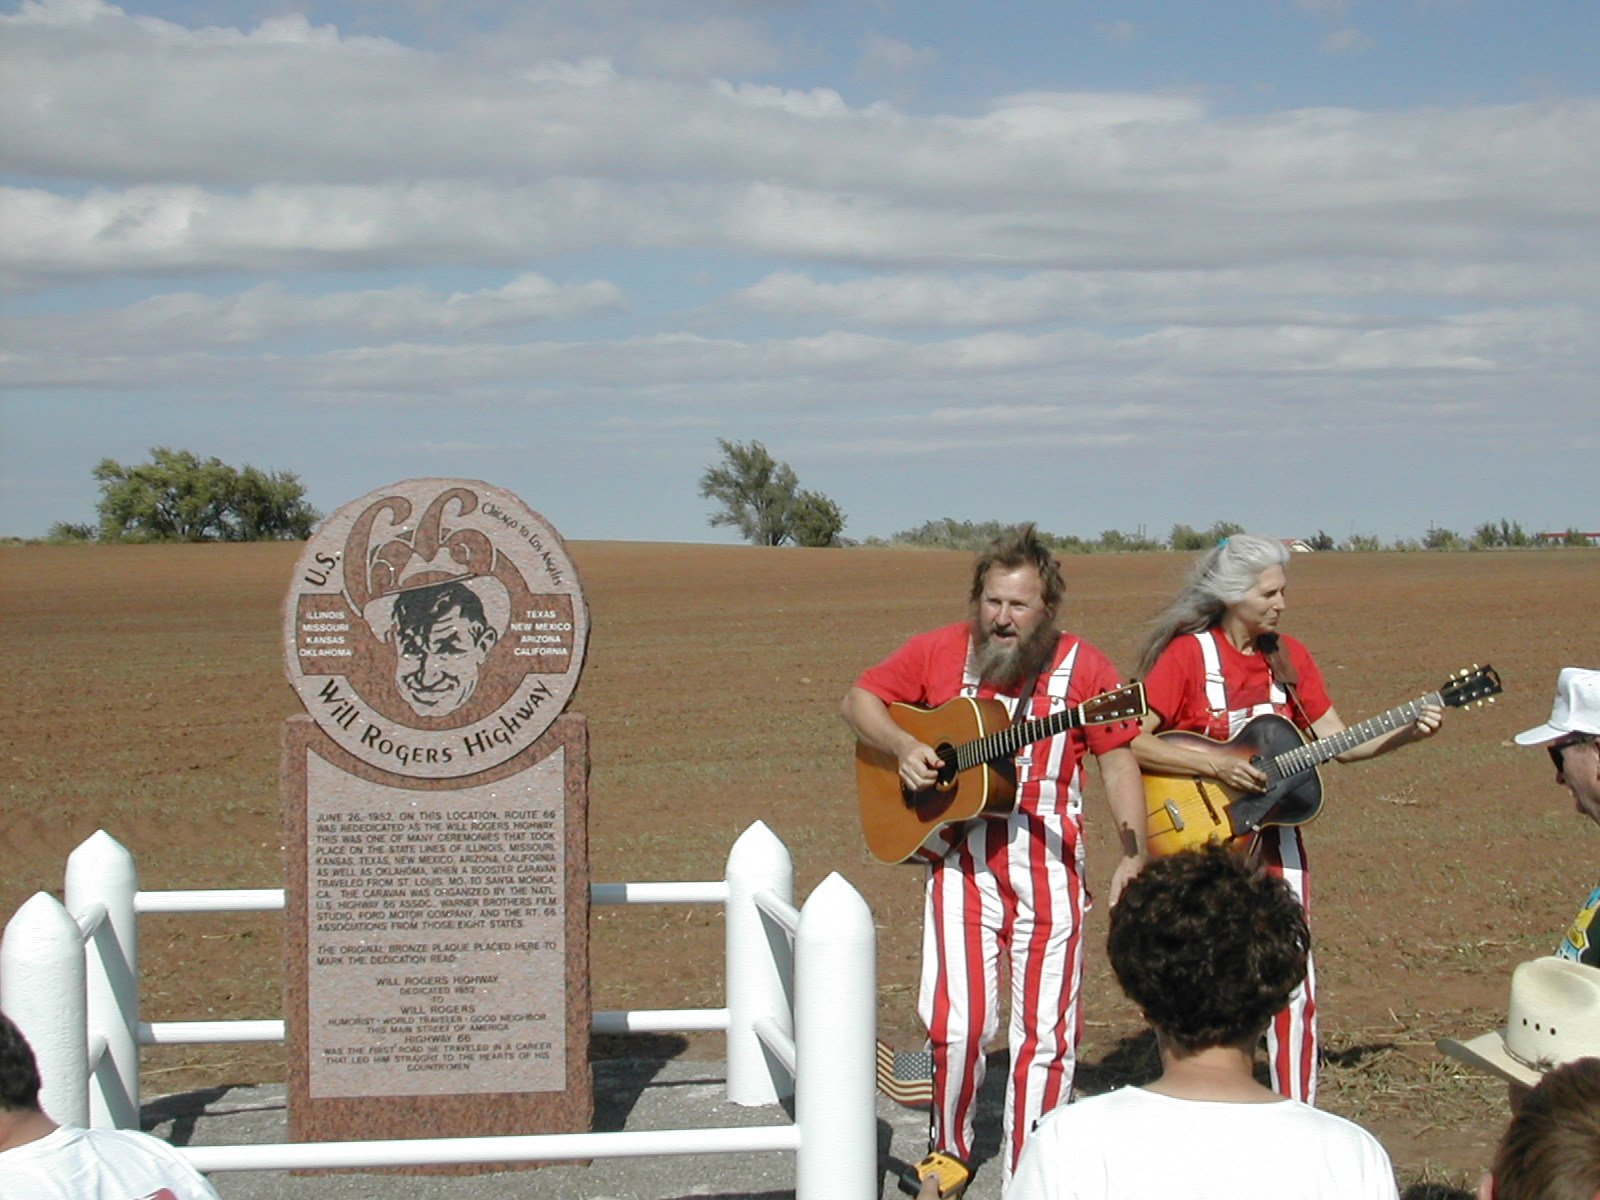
column 799, row 1016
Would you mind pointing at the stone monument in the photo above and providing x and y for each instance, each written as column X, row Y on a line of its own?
column 435, row 809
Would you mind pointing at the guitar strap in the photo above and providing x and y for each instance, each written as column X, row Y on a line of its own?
column 1283, row 671
column 1025, row 699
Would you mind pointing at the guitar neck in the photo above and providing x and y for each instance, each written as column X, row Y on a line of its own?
column 1303, row 758
column 1005, row 742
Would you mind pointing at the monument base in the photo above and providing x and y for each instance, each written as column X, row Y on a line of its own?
column 436, row 977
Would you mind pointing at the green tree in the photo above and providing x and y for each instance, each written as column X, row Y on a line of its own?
column 1116, row 542
column 1323, row 541
column 1441, row 539
column 1183, row 537
column 179, row 497
column 947, row 533
column 762, row 499
column 66, row 532
column 270, row 506
column 815, row 520
column 1512, row 533
column 1186, row 537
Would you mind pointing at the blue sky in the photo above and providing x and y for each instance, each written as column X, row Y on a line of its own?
column 1298, row 264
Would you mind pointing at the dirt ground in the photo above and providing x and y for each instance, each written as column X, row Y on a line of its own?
column 147, row 690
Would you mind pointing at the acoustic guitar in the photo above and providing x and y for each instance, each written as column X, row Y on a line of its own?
column 977, row 741
column 1184, row 811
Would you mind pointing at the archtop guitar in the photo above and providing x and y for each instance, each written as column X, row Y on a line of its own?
column 1184, row 811
column 977, row 741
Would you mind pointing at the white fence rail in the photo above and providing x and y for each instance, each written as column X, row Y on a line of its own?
column 799, row 1018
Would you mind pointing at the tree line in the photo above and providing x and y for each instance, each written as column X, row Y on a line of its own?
column 950, row 534
column 762, row 498
column 179, row 497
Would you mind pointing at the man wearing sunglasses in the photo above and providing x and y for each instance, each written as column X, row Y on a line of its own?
column 1570, row 736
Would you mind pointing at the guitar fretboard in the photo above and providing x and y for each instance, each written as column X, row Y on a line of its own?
column 1007, row 741
column 1303, row 758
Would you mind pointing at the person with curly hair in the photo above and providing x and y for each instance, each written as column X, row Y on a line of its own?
column 1209, row 946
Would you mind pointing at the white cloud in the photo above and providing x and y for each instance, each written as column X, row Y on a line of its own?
column 1330, row 8
column 696, row 47
column 285, row 210
column 885, row 57
column 107, row 350
column 176, row 321
column 292, row 145
column 1345, row 40
column 589, row 73
column 1349, row 293
column 812, row 104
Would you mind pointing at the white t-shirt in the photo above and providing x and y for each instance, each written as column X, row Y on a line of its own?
column 1137, row 1145
column 99, row 1164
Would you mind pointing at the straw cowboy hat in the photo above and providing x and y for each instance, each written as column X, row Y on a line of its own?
column 1554, row 1018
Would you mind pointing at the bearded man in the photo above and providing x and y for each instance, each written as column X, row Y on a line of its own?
column 1006, row 889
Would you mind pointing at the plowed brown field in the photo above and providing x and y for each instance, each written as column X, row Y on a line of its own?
column 147, row 691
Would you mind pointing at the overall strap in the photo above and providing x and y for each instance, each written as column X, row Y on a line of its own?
column 1216, row 688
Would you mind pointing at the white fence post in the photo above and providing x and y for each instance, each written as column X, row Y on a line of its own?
column 100, row 872
column 41, row 989
column 806, row 980
column 760, row 966
column 836, row 1028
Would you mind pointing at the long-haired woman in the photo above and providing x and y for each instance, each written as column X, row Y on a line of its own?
column 1214, row 659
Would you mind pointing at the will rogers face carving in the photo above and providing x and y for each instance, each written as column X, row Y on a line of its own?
column 435, row 627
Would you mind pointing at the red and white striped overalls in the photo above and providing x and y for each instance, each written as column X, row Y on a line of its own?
column 1009, row 889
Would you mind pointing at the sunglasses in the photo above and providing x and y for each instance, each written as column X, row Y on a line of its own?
column 1559, row 748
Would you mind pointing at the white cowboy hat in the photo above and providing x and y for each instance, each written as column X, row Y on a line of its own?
column 1576, row 708
column 1554, row 1018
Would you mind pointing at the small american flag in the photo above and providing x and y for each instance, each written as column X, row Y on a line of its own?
column 906, row 1076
